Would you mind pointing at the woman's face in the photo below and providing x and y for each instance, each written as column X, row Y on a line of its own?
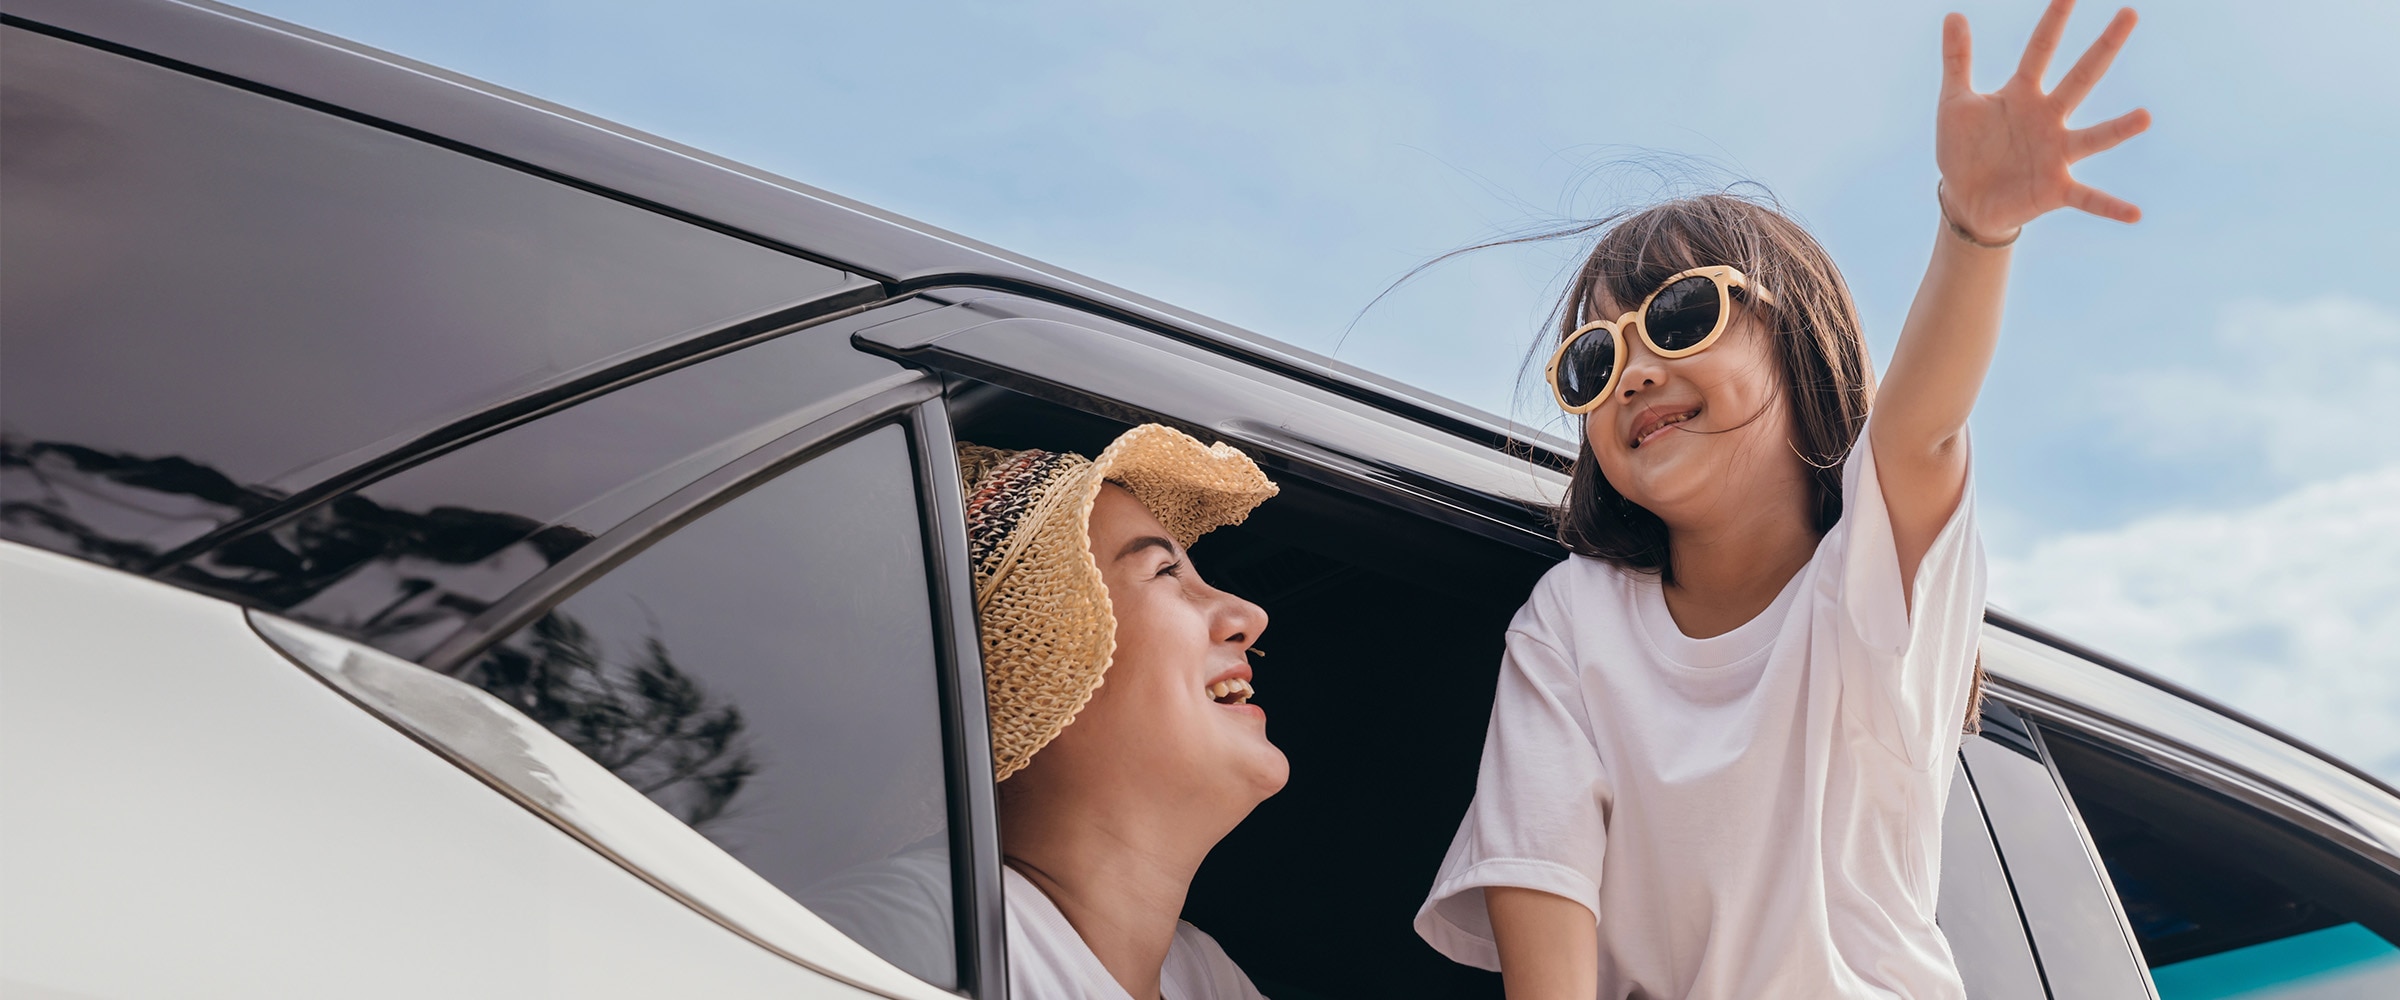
column 1172, row 710
column 1685, row 437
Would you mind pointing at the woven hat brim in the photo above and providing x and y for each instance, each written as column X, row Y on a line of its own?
column 1192, row 488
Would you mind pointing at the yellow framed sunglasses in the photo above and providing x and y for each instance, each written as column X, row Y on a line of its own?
column 1683, row 317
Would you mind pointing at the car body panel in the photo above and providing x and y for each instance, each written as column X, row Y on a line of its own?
column 547, row 775
column 186, row 813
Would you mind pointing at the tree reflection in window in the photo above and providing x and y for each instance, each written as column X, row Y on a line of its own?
column 643, row 718
column 397, row 579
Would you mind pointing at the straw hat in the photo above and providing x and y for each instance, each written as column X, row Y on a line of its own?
column 1048, row 632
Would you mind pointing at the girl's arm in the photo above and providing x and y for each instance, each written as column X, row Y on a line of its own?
column 2004, row 159
column 1549, row 948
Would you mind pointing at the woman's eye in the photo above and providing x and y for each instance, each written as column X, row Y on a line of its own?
column 1171, row 569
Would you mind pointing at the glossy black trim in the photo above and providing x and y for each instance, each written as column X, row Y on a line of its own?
column 529, row 406
column 2011, row 623
column 974, row 343
column 2091, row 851
column 559, row 582
column 966, row 724
column 2024, row 924
column 1414, row 411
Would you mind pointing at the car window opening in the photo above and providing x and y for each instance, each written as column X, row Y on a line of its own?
column 1382, row 650
column 2225, row 901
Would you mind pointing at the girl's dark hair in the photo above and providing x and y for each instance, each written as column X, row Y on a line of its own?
column 1827, row 373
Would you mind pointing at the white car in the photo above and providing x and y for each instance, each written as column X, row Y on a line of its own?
column 455, row 547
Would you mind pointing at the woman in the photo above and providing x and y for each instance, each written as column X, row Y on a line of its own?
column 1118, row 684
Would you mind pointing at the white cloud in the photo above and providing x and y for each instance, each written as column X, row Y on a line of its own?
column 2289, row 609
column 2304, row 390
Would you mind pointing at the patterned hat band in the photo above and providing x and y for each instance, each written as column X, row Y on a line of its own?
column 1041, row 605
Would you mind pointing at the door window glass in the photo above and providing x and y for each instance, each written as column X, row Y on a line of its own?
column 767, row 674
column 215, row 297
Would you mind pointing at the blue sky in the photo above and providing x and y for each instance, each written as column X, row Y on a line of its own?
column 2189, row 449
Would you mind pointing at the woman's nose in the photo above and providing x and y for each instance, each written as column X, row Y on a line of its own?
column 1239, row 621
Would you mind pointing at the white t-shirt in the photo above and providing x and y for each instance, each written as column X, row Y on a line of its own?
column 1047, row 960
column 901, row 906
column 1756, row 814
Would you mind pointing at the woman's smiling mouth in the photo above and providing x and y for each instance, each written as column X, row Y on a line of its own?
column 1230, row 691
column 1656, row 421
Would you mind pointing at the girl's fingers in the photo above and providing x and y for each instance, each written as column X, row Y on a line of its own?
column 1958, row 56
column 2044, row 41
column 2084, row 142
column 2101, row 203
column 2087, row 72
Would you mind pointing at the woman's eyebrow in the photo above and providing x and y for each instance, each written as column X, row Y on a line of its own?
column 1144, row 542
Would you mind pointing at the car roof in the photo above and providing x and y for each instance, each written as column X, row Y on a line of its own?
column 256, row 52
column 245, row 49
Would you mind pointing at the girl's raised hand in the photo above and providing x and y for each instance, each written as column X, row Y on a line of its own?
column 2004, row 155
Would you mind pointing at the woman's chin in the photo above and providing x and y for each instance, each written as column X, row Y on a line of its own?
column 1271, row 774
column 1259, row 764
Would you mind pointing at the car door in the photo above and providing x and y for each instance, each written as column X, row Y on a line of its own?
column 536, row 691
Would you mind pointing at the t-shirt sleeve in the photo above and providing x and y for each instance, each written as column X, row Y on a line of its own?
column 1907, row 660
column 1539, row 818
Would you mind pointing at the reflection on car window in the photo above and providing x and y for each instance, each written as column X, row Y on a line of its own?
column 2345, row 960
column 767, row 674
column 285, row 292
column 2223, row 902
column 403, row 562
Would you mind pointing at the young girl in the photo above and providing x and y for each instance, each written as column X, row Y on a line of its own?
column 1724, row 729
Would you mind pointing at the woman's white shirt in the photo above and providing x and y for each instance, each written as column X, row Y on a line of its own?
column 902, row 905
column 1047, row 959
column 1748, row 815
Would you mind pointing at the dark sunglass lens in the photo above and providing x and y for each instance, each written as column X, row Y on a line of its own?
column 1584, row 371
column 1683, row 314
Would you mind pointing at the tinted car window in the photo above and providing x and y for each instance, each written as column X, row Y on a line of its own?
column 2076, row 932
column 215, row 298
column 2227, row 902
column 1977, row 910
column 403, row 562
column 767, row 674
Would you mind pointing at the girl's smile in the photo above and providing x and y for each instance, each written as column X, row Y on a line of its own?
column 1657, row 420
